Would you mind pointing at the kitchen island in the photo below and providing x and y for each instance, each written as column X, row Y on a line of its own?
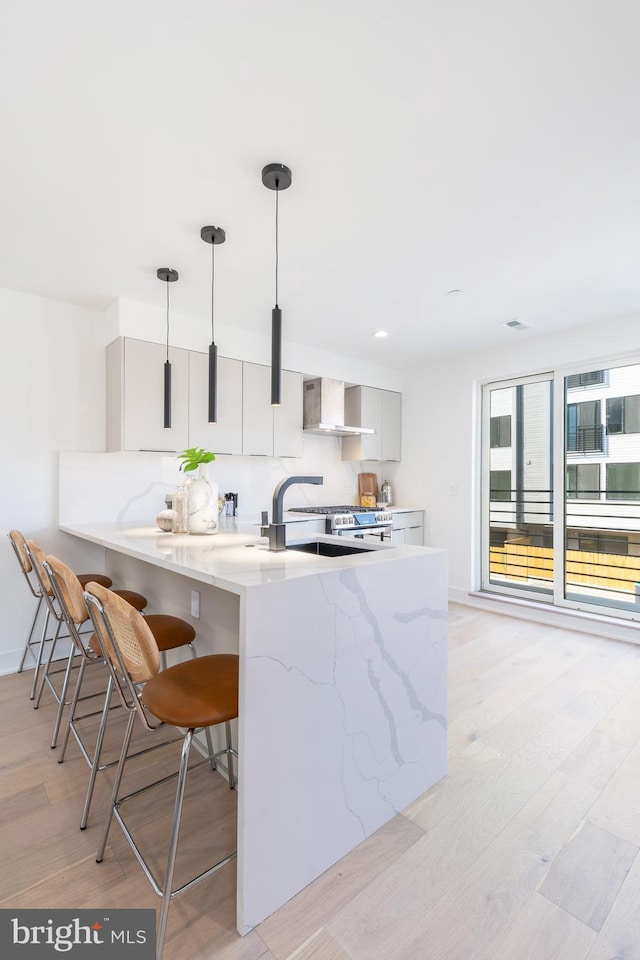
column 342, row 719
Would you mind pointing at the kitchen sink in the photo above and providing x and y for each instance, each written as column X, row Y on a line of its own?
column 323, row 549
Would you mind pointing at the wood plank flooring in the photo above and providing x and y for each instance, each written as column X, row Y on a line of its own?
column 528, row 848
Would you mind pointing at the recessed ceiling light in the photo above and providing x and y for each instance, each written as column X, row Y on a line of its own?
column 381, row 333
column 453, row 293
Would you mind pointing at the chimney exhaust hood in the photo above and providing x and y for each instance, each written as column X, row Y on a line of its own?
column 323, row 409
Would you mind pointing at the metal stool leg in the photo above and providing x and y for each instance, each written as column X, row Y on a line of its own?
column 63, row 697
column 72, row 712
column 95, row 765
column 116, row 786
column 27, row 647
column 36, row 669
column 47, row 665
column 232, row 779
column 173, row 844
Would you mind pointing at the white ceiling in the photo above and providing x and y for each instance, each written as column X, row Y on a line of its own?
column 491, row 146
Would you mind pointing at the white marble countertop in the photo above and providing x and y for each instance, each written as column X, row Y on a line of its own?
column 234, row 559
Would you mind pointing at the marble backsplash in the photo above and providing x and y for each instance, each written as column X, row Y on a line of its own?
column 132, row 486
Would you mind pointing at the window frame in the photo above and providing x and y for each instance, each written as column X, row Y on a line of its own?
column 625, row 415
column 502, row 424
column 574, row 494
column 618, row 494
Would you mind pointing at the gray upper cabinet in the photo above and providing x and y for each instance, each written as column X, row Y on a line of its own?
column 287, row 418
column 224, row 436
column 257, row 412
column 135, row 396
column 380, row 410
column 271, row 431
column 247, row 423
column 391, row 425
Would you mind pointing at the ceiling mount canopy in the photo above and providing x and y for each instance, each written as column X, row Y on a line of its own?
column 167, row 275
column 276, row 176
column 214, row 236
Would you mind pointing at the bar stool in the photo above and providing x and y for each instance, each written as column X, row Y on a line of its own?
column 170, row 633
column 191, row 695
column 18, row 543
column 37, row 557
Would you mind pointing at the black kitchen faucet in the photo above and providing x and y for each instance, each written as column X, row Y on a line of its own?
column 276, row 530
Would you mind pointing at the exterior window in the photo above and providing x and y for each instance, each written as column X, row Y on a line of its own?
column 584, row 429
column 586, row 379
column 623, row 481
column 583, row 481
column 500, row 484
column 501, row 431
column 623, row 414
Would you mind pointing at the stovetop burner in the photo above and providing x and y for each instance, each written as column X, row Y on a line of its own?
column 329, row 510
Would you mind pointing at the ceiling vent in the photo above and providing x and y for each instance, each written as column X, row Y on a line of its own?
column 515, row 324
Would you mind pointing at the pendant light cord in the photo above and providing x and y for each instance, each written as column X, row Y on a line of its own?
column 277, row 192
column 167, row 282
column 213, row 246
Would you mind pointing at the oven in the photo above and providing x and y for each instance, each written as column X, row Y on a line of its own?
column 381, row 533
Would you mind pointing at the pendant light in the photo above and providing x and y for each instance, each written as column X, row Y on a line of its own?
column 276, row 177
column 169, row 276
column 213, row 235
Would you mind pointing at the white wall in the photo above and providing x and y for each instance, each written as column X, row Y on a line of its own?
column 52, row 396
column 441, row 429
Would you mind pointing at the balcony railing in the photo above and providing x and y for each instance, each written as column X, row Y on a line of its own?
column 585, row 439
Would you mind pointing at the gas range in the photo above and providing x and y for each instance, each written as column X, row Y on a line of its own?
column 350, row 519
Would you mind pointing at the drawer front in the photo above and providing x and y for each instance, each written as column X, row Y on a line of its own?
column 415, row 518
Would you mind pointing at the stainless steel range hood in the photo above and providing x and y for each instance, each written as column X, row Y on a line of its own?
column 323, row 409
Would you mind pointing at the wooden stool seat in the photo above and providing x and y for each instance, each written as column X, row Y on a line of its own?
column 196, row 693
column 100, row 578
column 137, row 600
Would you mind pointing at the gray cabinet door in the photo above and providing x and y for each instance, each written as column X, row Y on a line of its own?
column 391, row 425
column 380, row 410
column 257, row 412
column 287, row 418
column 224, row 436
column 135, row 406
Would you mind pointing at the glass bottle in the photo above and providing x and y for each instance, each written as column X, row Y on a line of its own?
column 181, row 510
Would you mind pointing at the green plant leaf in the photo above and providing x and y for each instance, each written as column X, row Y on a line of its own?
column 192, row 457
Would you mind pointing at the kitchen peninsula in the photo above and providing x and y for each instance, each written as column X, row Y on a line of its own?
column 342, row 718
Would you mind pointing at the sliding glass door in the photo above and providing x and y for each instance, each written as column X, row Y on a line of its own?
column 518, row 487
column 561, row 489
column 602, row 490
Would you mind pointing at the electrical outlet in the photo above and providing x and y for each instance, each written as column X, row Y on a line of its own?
column 195, row 604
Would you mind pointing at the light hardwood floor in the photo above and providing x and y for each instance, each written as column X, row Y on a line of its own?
column 527, row 850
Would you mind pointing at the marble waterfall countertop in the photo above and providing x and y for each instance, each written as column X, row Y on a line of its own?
column 343, row 686
column 235, row 558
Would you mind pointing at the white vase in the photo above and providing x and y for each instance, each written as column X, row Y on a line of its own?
column 203, row 503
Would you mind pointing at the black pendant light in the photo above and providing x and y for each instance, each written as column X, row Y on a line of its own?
column 213, row 235
column 169, row 276
column 276, row 177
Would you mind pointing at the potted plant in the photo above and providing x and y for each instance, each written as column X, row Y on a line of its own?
column 202, row 493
